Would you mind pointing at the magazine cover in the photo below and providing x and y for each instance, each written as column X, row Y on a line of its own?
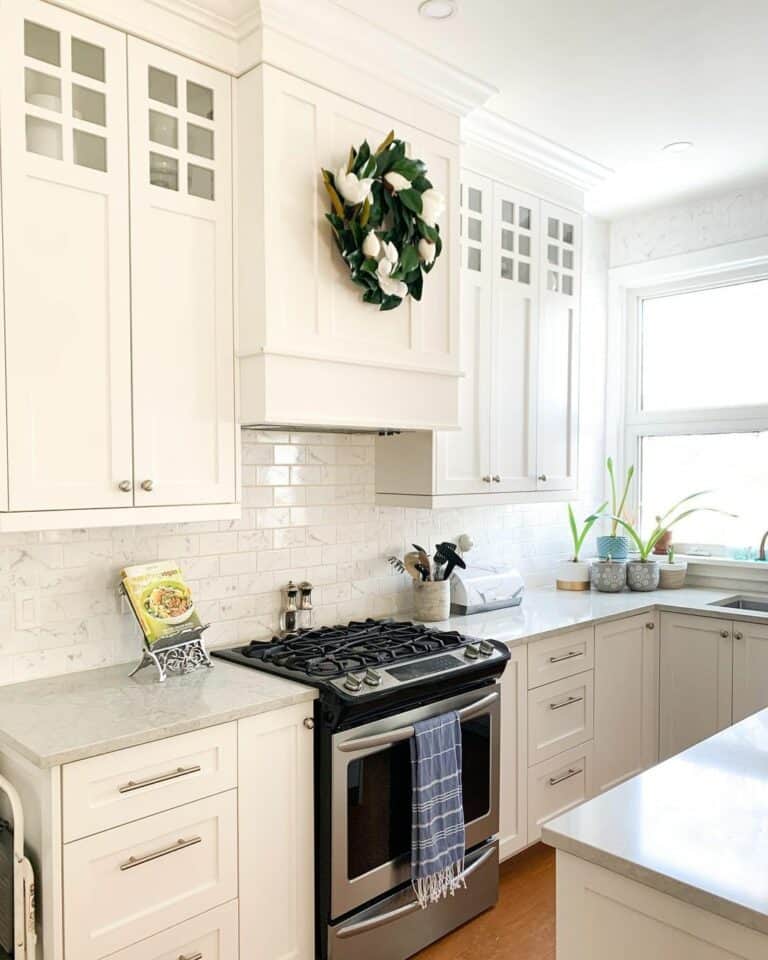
column 162, row 602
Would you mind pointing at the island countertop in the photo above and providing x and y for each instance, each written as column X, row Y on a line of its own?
column 695, row 827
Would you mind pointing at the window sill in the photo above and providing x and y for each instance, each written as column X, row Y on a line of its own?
column 724, row 569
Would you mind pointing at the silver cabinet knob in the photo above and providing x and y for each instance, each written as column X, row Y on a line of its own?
column 738, row 636
column 650, row 625
column 496, row 478
column 147, row 485
column 725, row 634
column 309, row 723
column 542, row 477
column 125, row 485
column 487, row 478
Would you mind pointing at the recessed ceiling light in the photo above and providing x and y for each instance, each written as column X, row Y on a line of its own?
column 678, row 146
column 437, row 9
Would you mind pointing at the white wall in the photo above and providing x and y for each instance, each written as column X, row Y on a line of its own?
column 722, row 218
column 308, row 512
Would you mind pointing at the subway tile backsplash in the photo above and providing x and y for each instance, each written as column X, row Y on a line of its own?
column 308, row 513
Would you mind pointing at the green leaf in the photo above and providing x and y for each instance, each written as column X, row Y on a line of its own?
column 363, row 155
column 372, row 296
column 429, row 233
column 409, row 258
column 421, row 184
column 390, row 302
column 416, row 285
column 410, row 169
column 411, row 199
column 369, row 265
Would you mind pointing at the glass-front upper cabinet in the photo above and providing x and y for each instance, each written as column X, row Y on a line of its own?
column 63, row 124
column 181, row 279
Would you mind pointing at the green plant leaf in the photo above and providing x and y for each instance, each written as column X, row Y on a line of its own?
column 363, row 155
column 390, row 302
column 416, row 285
column 409, row 258
column 408, row 168
column 411, row 199
column 421, row 183
column 691, row 496
column 369, row 265
column 429, row 233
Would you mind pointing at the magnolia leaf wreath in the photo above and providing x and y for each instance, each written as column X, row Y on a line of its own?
column 384, row 217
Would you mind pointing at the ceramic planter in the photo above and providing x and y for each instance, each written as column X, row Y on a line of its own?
column 573, row 575
column 609, row 576
column 643, row 575
column 672, row 575
column 662, row 544
column 432, row 600
column 616, row 548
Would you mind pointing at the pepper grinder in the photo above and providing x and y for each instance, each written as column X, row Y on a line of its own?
column 305, row 614
column 290, row 614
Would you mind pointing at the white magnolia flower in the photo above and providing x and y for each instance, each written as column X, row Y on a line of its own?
column 388, row 286
column 389, row 252
column 352, row 189
column 432, row 206
column 371, row 244
column 397, row 181
column 427, row 250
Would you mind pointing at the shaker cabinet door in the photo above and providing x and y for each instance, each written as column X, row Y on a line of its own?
column 558, row 348
column 515, row 272
column 750, row 669
column 463, row 456
column 65, row 222
column 181, row 279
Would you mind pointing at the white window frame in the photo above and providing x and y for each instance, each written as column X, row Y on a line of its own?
column 626, row 422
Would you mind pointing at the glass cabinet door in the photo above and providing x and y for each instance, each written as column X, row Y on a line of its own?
column 65, row 220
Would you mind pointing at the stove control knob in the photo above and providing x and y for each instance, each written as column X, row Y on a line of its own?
column 486, row 648
column 372, row 678
column 353, row 683
column 472, row 651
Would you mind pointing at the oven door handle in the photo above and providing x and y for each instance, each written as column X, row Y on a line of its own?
column 405, row 733
column 365, row 925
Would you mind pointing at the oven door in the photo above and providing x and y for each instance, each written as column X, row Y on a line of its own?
column 371, row 794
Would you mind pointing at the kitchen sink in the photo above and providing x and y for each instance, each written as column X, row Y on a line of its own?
column 743, row 603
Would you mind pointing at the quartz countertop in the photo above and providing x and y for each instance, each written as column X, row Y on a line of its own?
column 546, row 611
column 694, row 827
column 80, row 715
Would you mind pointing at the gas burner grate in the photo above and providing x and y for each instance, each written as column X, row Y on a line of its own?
column 328, row 652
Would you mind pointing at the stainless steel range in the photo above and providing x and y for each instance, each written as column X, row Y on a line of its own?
column 376, row 678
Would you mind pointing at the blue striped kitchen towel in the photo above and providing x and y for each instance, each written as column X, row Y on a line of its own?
column 437, row 809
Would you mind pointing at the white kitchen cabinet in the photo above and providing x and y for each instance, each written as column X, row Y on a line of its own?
column 696, row 670
column 119, row 344
column 181, row 279
column 557, row 785
column 66, row 230
column 276, row 802
column 520, row 291
column 750, row 669
column 626, row 698
column 513, row 818
column 311, row 352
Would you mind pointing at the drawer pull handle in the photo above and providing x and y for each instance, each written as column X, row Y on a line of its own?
column 567, row 656
column 191, row 956
column 565, row 703
column 161, row 778
column 553, row 781
column 132, row 862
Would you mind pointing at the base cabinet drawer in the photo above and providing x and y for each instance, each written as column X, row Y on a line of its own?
column 118, row 787
column 560, row 716
column 557, row 785
column 211, row 936
column 134, row 881
column 560, row 656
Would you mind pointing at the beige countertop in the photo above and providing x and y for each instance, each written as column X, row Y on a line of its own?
column 79, row 715
column 694, row 827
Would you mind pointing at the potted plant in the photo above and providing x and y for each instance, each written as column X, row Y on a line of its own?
column 672, row 573
column 643, row 574
column 609, row 576
column 613, row 545
column 573, row 574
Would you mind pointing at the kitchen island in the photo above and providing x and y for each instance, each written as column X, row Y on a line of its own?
column 673, row 863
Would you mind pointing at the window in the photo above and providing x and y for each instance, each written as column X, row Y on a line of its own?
column 697, row 408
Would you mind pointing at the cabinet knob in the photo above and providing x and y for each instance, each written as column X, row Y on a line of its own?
column 125, row 485
column 309, row 723
column 542, row 477
column 725, row 634
column 147, row 485
column 738, row 636
column 496, row 478
column 650, row 625
column 487, row 478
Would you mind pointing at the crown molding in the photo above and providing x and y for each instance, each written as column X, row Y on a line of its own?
column 492, row 132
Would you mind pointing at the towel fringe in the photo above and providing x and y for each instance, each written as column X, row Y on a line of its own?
column 438, row 885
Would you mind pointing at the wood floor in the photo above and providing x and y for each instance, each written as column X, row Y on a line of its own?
column 521, row 926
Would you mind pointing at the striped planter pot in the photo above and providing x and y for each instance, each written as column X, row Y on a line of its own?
column 617, row 548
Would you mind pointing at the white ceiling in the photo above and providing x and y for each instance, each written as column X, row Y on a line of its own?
column 615, row 81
